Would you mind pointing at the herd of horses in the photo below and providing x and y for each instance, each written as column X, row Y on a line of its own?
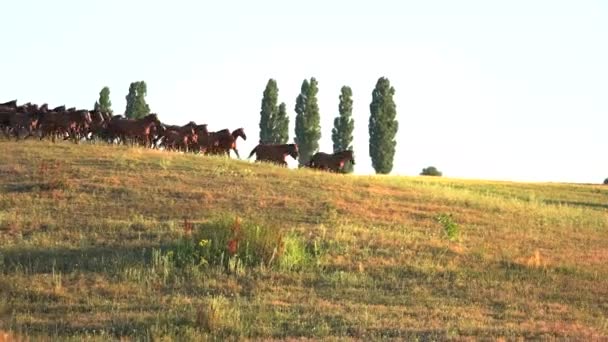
column 31, row 120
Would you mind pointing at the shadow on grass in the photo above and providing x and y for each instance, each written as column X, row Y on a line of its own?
column 577, row 204
column 106, row 259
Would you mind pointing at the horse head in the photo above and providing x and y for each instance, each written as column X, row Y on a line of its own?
column 151, row 118
column 293, row 150
column 202, row 129
column 351, row 156
column 240, row 132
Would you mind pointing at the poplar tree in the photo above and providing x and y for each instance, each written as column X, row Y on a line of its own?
column 344, row 124
column 308, row 121
column 383, row 127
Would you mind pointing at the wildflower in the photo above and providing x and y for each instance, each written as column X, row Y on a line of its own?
column 233, row 245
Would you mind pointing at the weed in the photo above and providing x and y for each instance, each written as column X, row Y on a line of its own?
column 217, row 313
column 236, row 246
column 450, row 228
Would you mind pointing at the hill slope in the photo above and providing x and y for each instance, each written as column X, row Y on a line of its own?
column 85, row 230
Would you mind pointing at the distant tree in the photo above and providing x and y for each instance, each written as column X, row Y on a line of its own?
column 344, row 124
column 268, row 112
column 281, row 129
column 606, row 181
column 383, row 127
column 104, row 104
column 136, row 101
column 431, row 171
column 308, row 121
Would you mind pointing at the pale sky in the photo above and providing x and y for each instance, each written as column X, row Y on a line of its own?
column 507, row 90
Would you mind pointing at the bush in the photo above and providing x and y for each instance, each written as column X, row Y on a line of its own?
column 431, row 171
column 450, row 228
column 235, row 245
column 606, row 181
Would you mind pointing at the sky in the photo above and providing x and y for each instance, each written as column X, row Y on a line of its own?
column 501, row 90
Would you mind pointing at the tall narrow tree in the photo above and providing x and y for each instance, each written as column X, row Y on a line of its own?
column 104, row 104
column 268, row 112
column 281, row 129
column 136, row 101
column 344, row 124
column 383, row 127
column 308, row 121
column 274, row 122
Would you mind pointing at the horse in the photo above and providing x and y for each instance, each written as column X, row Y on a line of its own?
column 68, row 124
column 9, row 106
column 179, row 136
column 221, row 142
column 12, row 104
column 179, row 140
column 24, row 121
column 138, row 129
column 275, row 153
column 331, row 162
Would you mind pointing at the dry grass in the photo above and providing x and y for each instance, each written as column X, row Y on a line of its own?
column 85, row 231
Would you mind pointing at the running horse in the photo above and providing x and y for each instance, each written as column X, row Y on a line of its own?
column 221, row 142
column 331, row 162
column 275, row 153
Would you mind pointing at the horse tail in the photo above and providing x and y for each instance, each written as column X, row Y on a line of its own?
column 255, row 149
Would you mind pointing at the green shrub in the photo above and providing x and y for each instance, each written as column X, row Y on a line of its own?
column 450, row 228
column 606, row 181
column 234, row 245
column 431, row 171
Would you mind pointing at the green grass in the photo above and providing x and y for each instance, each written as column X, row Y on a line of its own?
column 94, row 245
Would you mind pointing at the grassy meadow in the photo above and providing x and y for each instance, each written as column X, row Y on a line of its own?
column 106, row 242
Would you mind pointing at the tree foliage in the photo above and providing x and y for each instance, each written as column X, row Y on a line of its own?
column 431, row 171
column 281, row 130
column 136, row 101
column 268, row 112
column 344, row 125
column 274, row 122
column 308, row 121
column 383, row 127
column 104, row 104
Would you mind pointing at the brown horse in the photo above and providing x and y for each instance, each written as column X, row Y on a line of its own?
column 9, row 106
column 69, row 125
column 180, row 137
column 221, row 142
column 179, row 140
column 275, row 153
column 138, row 129
column 27, row 122
column 331, row 162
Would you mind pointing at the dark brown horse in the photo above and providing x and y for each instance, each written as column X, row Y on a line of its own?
column 331, row 162
column 9, row 106
column 180, row 137
column 27, row 122
column 275, row 153
column 138, row 130
column 12, row 104
column 221, row 142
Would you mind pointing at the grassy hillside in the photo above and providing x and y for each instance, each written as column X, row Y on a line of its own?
column 92, row 238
